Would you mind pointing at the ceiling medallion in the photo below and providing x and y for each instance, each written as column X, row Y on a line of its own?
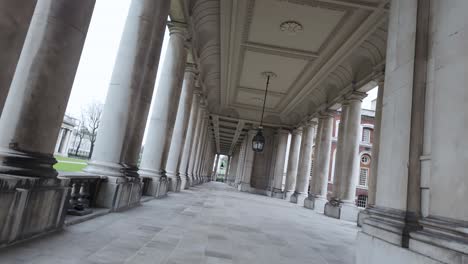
column 270, row 74
column 291, row 27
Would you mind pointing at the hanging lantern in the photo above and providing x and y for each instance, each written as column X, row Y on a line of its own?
column 258, row 142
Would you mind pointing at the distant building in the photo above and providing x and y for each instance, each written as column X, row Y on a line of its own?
column 66, row 130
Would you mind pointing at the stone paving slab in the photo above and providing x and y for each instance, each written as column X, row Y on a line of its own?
column 209, row 224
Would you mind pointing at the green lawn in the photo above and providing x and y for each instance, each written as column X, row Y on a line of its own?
column 69, row 164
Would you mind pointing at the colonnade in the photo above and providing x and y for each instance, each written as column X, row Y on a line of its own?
column 179, row 149
column 298, row 186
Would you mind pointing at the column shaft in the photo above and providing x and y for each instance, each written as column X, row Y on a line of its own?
column 351, row 161
column 32, row 199
column 372, row 181
column 305, row 158
column 337, row 182
column 248, row 162
column 322, row 161
column 125, row 111
column 161, row 126
column 180, row 129
column 191, row 128
column 53, row 45
column 15, row 17
column 293, row 163
column 280, row 163
column 196, row 142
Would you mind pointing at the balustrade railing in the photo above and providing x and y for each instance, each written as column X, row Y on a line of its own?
column 83, row 193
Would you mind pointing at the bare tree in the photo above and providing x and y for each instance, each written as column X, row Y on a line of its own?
column 92, row 119
column 80, row 133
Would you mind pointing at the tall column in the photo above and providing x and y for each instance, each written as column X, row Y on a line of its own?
column 228, row 168
column 293, row 162
column 196, row 140
column 191, row 128
column 216, row 164
column 240, row 165
column 248, row 162
column 318, row 198
column 281, row 151
column 344, row 206
column 32, row 118
column 305, row 158
column 372, row 181
column 161, row 126
column 126, row 108
column 15, row 17
column 180, row 130
column 200, row 146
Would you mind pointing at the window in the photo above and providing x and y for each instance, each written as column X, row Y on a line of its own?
column 362, row 201
column 365, row 159
column 363, row 177
column 366, row 135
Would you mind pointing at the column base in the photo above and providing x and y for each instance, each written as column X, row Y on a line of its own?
column 333, row 210
column 309, row 202
column 244, row 187
column 157, row 186
column 24, row 201
column 287, row 195
column 429, row 240
column 277, row 193
column 120, row 193
column 298, row 198
column 349, row 212
column 174, row 184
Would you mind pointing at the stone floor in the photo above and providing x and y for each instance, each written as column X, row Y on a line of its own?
column 211, row 223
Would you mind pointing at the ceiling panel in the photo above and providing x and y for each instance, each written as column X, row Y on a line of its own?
column 287, row 69
column 316, row 24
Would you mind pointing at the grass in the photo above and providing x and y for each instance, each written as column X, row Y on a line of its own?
column 65, row 164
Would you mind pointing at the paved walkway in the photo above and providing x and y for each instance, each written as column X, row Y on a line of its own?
column 208, row 224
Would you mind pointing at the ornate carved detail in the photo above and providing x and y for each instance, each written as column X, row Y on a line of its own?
column 291, row 27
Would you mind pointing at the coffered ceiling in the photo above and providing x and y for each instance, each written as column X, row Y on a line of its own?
column 318, row 49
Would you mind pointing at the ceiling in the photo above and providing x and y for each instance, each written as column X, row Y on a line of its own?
column 319, row 50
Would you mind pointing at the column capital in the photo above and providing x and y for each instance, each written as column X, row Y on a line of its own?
column 282, row 131
column 309, row 123
column 326, row 114
column 191, row 68
column 354, row 96
column 297, row 131
column 197, row 91
column 177, row 28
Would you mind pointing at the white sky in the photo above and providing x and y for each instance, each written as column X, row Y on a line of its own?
column 97, row 60
column 371, row 95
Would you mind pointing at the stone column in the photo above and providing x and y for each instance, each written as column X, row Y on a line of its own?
column 163, row 116
column 215, row 169
column 180, row 130
column 281, row 151
column 293, row 163
column 191, row 128
column 240, row 165
column 318, row 198
column 372, row 181
column 305, row 158
column 59, row 140
column 126, row 108
column 196, row 141
column 200, row 145
column 228, row 168
column 33, row 114
column 345, row 192
column 248, row 162
column 15, row 17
